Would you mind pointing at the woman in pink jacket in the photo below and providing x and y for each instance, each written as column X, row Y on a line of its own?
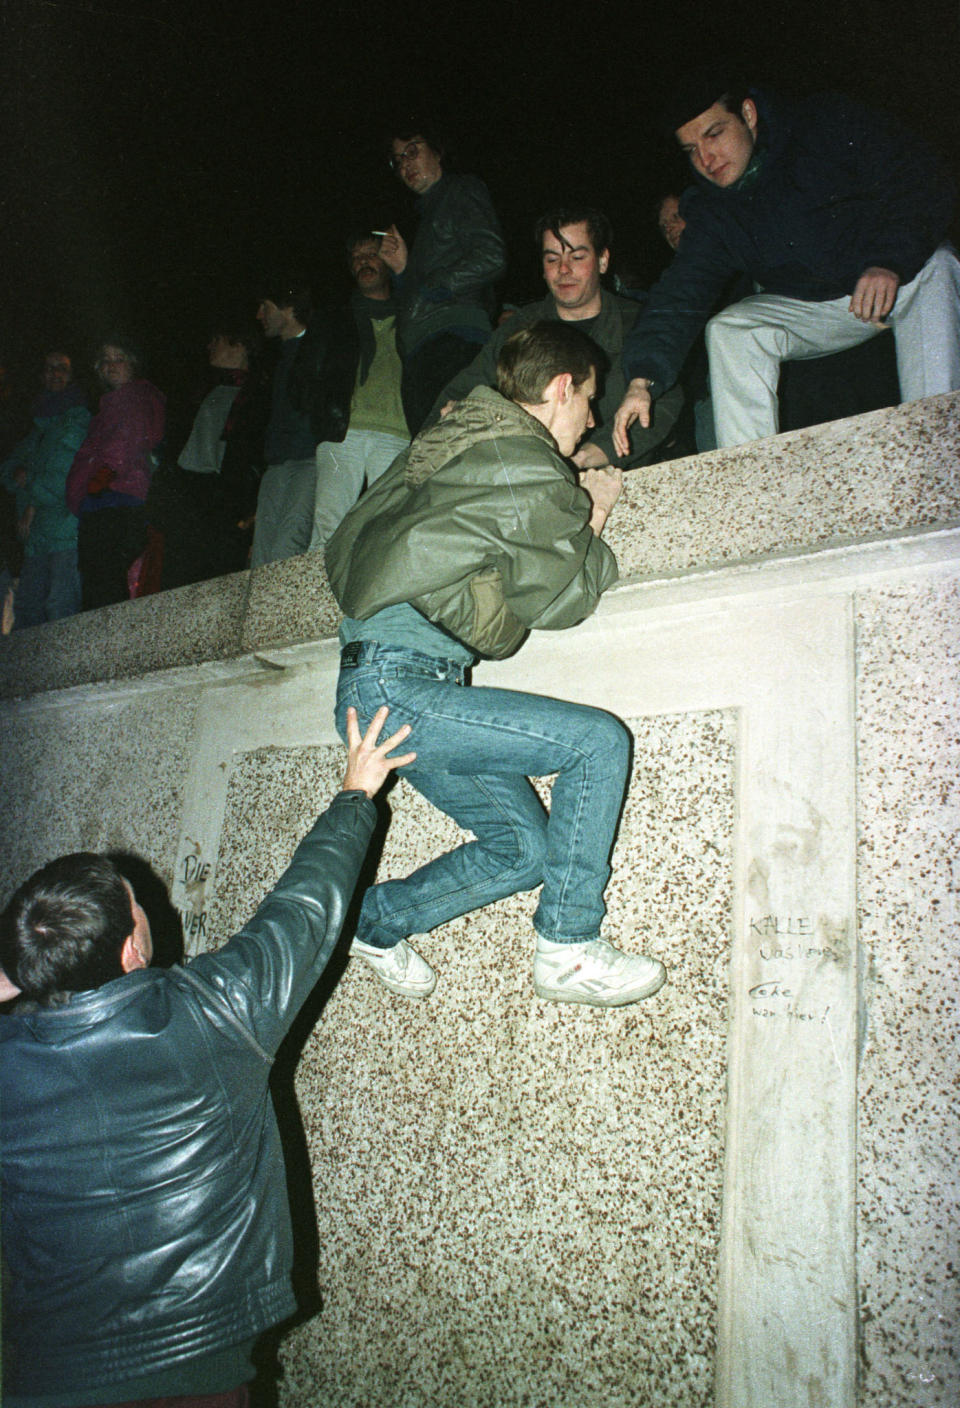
column 108, row 481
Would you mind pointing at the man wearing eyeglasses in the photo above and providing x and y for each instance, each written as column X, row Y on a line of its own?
column 445, row 279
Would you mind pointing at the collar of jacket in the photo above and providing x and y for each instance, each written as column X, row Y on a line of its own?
column 424, row 202
column 617, row 314
column 78, row 1010
column 56, row 403
column 483, row 415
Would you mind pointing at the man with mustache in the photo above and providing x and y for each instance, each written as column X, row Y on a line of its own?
column 363, row 388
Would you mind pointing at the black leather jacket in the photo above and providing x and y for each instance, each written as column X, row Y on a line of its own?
column 321, row 382
column 456, row 258
column 145, row 1217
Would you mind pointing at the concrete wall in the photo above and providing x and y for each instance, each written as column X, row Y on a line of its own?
column 742, row 1192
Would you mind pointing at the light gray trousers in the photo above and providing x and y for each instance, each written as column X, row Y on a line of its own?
column 747, row 342
column 284, row 511
column 362, row 455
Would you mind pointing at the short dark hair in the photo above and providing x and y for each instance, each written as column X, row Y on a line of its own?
column 598, row 226
column 733, row 100
column 64, row 928
column 289, row 292
column 409, row 128
column 531, row 358
column 697, row 90
column 239, row 329
column 361, row 237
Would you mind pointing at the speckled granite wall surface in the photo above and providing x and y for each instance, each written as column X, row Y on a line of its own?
column 171, row 630
column 908, row 1147
column 892, row 471
column 517, row 1203
column 82, row 776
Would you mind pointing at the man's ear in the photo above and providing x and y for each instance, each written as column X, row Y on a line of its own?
column 131, row 957
column 748, row 112
column 559, row 389
column 604, row 261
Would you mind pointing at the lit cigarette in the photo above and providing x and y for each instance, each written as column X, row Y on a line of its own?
column 381, row 233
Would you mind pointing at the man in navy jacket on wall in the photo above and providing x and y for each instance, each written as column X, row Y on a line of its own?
column 837, row 214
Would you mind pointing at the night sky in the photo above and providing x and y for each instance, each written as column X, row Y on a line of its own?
column 159, row 156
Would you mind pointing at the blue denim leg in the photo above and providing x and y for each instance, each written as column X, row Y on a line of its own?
column 476, row 748
column 63, row 598
column 29, row 605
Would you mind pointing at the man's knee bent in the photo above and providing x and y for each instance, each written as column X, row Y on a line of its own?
column 520, row 849
column 610, row 741
column 942, row 264
column 733, row 333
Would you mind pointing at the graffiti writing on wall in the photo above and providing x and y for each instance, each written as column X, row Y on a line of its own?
column 800, row 947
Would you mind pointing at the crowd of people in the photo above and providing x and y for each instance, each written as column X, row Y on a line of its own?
column 809, row 227
column 459, row 481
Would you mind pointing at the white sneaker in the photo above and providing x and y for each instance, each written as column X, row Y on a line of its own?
column 594, row 972
column 401, row 969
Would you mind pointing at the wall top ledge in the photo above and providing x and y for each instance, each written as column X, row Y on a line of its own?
column 887, row 474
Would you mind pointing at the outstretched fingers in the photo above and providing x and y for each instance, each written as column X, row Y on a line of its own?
column 368, row 760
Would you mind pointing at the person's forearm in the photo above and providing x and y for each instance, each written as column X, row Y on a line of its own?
column 592, row 455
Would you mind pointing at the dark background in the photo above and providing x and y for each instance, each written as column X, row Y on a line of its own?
column 159, row 156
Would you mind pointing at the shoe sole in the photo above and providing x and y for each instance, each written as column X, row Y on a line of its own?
column 398, row 989
column 593, row 1000
column 403, row 991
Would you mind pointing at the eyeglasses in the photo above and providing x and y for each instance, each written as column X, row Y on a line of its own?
column 112, row 361
column 409, row 153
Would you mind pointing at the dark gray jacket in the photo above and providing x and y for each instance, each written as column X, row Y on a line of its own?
column 616, row 317
column 456, row 258
column 145, row 1216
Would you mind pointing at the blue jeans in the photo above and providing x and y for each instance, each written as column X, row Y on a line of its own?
column 49, row 588
column 476, row 749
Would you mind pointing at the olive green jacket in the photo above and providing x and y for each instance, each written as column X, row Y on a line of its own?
column 481, row 526
column 608, row 331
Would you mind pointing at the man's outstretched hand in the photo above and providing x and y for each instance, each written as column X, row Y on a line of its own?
column 636, row 405
column 368, row 765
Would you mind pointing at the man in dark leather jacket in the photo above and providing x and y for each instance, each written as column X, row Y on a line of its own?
column 444, row 282
column 146, row 1230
